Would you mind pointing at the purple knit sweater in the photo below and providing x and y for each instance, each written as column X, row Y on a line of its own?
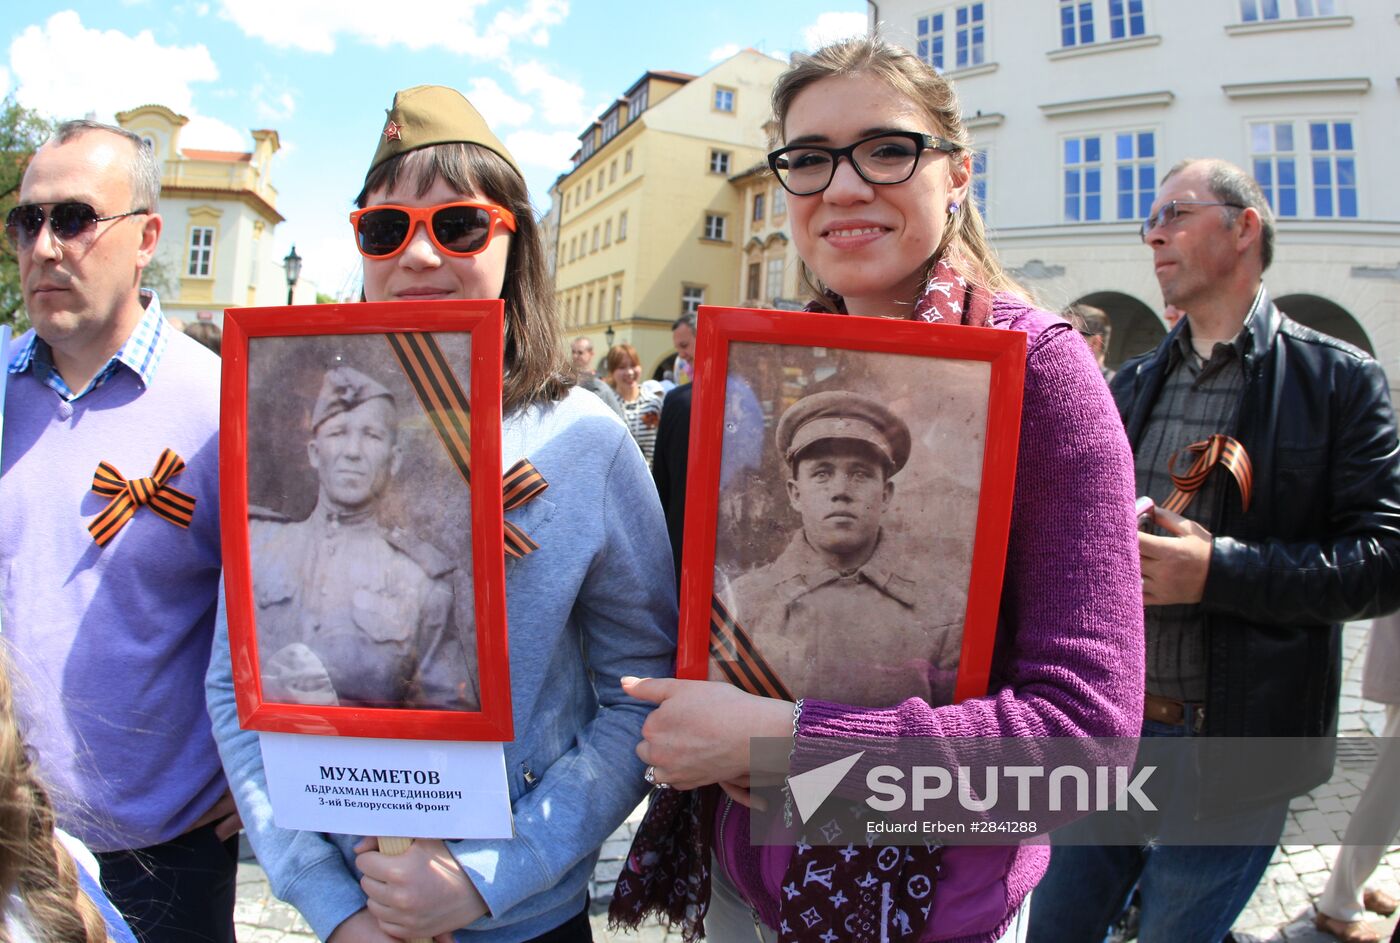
column 1069, row 655
column 110, row 644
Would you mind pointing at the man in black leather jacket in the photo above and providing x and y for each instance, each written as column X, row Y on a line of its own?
column 1245, row 596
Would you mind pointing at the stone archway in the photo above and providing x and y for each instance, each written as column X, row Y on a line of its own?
column 1136, row 327
column 1327, row 317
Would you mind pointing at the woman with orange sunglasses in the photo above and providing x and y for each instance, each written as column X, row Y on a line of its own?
column 444, row 214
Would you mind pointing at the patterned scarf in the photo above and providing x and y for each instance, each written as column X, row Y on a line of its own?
column 865, row 894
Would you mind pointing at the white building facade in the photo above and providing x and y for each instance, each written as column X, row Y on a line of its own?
column 1078, row 108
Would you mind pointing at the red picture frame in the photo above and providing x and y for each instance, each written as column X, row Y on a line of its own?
column 719, row 328
column 482, row 322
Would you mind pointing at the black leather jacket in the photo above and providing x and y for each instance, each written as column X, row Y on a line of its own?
column 1320, row 543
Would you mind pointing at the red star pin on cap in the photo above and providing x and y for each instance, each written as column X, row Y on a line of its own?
column 391, row 131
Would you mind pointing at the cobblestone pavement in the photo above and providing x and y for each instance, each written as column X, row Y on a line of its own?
column 1281, row 910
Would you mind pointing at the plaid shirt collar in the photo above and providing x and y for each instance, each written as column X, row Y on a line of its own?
column 140, row 354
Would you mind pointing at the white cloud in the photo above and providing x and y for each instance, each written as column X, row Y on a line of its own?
column 274, row 107
column 720, row 53
column 560, row 101
column 211, row 134
column 497, row 106
column 830, row 27
column 316, row 25
column 104, row 71
column 549, row 150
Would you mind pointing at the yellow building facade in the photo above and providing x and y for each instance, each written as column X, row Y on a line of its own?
column 769, row 270
column 649, row 222
column 220, row 210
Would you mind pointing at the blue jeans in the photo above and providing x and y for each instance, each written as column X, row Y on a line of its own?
column 1190, row 894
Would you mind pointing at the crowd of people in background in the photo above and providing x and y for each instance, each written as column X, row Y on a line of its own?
column 1217, row 614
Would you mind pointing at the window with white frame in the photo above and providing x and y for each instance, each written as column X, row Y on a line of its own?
column 627, row 162
column 758, row 207
column 714, row 226
column 1275, row 164
column 590, row 308
column 617, row 302
column 610, row 125
column 724, row 99
column 596, row 231
column 1126, row 18
column 953, row 38
column 607, row 233
column 719, row 161
column 979, row 181
column 755, row 273
column 588, row 188
column 1333, row 168
column 201, row 251
column 1076, row 22
column 1083, row 179
column 1255, row 11
column 1135, row 169
column 612, row 171
column 692, row 297
column 588, row 146
column 775, row 278
column 779, row 201
column 622, row 226
column 637, row 104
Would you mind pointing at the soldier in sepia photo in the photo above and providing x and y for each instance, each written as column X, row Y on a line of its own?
column 349, row 611
column 844, row 588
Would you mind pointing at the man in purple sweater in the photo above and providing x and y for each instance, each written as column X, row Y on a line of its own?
column 109, row 546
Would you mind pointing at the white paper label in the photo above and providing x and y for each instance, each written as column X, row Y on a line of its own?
column 368, row 786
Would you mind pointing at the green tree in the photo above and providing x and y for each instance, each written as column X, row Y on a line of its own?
column 22, row 130
column 324, row 299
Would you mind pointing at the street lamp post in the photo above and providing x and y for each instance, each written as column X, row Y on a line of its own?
column 608, row 335
column 292, row 266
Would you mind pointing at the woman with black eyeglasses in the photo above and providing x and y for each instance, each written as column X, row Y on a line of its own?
column 877, row 165
column 444, row 214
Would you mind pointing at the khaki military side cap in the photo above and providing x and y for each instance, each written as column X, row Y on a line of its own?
column 840, row 414
column 343, row 389
column 434, row 114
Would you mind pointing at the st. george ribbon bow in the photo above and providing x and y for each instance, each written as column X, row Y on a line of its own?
column 154, row 492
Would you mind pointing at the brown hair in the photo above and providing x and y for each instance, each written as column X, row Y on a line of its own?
column 32, row 862
column 536, row 371
column 964, row 236
column 613, row 361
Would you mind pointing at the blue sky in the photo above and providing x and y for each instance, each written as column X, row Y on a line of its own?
column 321, row 72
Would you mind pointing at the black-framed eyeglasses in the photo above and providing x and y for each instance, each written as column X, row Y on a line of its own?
column 882, row 159
column 69, row 221
column 1168, row 213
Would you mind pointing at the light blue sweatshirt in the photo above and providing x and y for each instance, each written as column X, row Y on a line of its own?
column 596, row 602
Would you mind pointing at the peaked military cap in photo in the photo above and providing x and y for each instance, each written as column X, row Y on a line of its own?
column 841, row 414
column 343, row 389
column 434, row 114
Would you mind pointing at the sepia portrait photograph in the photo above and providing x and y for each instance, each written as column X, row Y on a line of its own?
column 846, row 518
column 359, row 528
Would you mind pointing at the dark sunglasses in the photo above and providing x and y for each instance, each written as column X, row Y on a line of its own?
column 69, row 221
column 456, row 229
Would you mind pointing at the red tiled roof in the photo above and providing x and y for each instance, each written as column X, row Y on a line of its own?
column 231, row 157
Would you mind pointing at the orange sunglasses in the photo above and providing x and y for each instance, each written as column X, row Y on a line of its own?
column 456, row 229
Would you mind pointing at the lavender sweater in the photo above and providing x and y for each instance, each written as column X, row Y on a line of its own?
column 1069, row 655
column 110, row 643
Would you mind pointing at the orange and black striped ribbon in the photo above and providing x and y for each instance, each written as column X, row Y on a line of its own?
column 441, row 396
column 1216, row 450
column 737, row 657
column 449, row 411
column 154, row 492
column 522, row 484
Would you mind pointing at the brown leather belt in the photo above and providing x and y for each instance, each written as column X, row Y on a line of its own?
column 1165, row 710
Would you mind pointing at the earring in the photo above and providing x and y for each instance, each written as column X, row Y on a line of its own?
column 953, row 208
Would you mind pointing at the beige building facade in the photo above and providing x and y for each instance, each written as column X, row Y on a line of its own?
column 220, row 211
column 1079, row 108
column 769, row 269
column 649, row 224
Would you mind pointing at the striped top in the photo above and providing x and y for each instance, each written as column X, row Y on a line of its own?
column 643, row 415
